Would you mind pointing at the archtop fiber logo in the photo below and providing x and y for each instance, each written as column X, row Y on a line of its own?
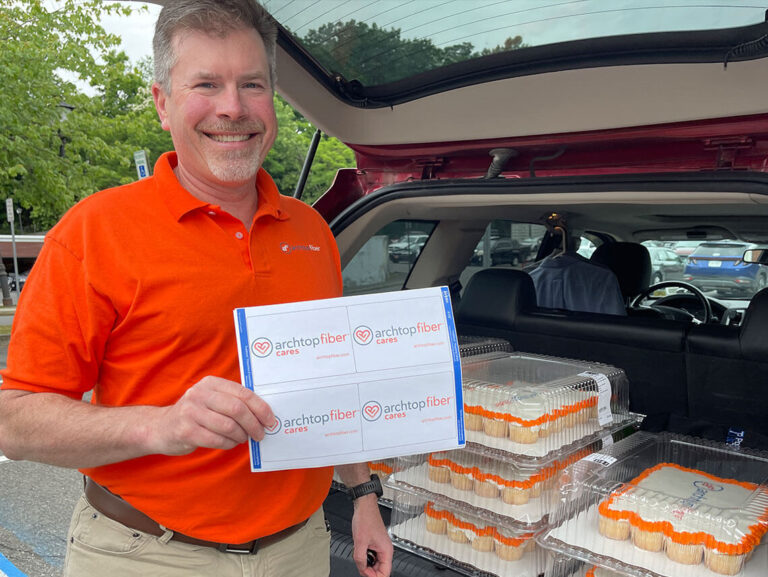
column 274, row 429
column 363, row 335
column 289, row 248
column 372, row 411
column 262, row 347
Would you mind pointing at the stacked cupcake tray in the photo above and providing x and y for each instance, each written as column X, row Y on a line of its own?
column 478, row 509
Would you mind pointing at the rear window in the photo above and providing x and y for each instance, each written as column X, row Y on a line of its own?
column 385, row 261
column 720, row 250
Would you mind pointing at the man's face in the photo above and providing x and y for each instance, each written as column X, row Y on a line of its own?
column 220, row 112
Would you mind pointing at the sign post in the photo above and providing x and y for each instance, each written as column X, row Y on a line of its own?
column 11, row 219
column 142, row 165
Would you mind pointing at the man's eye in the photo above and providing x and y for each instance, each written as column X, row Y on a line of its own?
column 258, row 85
column 204, row 85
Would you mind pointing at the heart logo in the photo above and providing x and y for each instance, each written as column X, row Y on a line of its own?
column 274, row 428
column 363, row 335
column 371, row 411
column 261, row 347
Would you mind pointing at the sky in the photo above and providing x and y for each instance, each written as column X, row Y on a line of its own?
column 136, row 33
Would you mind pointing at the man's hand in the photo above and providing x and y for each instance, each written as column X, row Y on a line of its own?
column 369, row 532
column 214, row 413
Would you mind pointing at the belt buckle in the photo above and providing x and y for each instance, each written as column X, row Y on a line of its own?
column 251, row 550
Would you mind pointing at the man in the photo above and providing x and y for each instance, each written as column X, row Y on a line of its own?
column 116, row 305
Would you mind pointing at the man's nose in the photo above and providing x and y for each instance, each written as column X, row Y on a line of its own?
column 230, row 103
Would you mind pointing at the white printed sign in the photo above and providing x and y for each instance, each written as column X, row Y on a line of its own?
column 353, row 379
column 604, row 415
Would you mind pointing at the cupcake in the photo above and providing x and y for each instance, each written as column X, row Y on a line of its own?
column 686, row 554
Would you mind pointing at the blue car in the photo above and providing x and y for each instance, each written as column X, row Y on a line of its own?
column 718, row 266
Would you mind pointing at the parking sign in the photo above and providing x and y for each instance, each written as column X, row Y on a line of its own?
column 142, row 166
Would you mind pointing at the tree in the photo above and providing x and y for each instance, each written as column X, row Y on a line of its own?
column 356, row 49
column 40, row 47
column 286, row 159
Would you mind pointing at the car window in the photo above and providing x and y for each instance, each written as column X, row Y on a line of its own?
column 385, row 260
column 505, row 243
column 714, row 267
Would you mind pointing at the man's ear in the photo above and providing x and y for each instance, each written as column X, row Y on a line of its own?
column 160, row 98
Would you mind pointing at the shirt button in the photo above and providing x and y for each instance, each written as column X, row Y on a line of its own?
column 212, row 212
column 238, row 235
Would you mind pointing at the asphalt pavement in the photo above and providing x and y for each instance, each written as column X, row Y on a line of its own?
column 36, row 503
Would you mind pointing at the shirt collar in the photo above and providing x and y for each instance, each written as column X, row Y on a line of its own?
column 180, row 202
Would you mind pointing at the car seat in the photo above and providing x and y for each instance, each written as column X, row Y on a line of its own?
column 493, row 297
column 631, row 263
column 726, row 368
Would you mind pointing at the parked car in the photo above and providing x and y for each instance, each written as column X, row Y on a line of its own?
column 655, row 131
column 12, row 280
column 665, row 264
column 407, row 249
column 502, row 251
column 720, row 267
column 685, row 247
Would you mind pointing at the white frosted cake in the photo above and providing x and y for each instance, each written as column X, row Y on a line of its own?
column 688, row 514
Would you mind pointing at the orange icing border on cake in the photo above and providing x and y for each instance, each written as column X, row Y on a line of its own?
column 748, row 542
column 563, row 411
column 488, row 530
column 591, row 571
column 478, row 474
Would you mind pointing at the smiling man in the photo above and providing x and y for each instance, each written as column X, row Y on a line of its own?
column 115, row 305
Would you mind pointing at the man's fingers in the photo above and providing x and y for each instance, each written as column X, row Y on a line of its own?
column 244, row 411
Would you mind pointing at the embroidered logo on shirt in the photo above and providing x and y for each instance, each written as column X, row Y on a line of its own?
column 289, row 248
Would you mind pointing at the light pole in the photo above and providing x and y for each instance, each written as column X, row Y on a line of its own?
column 64, row 110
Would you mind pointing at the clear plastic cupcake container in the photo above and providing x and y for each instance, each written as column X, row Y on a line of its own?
column 665, row 505
column 522, row 493
column 532, row 405
column 461, row 539
column 558, row 565
column 470, row 345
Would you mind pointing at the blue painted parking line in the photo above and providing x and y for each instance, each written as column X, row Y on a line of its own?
column 8, row 569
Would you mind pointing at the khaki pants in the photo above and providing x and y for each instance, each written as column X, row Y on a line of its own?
column 100, row 547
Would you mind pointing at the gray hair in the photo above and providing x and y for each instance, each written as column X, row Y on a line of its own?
column 212, row 17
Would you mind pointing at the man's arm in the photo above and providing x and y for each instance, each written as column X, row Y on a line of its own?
column 368, row 530
column 54, row 429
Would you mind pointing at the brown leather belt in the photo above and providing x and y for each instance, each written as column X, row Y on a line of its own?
column 118, row 509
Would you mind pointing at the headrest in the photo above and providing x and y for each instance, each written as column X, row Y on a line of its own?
column 754, row 336
column 629, row 261
column 494, row 296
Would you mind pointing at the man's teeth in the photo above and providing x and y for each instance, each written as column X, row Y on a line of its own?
column 229, row 137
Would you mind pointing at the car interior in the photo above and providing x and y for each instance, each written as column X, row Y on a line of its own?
column 672, row 326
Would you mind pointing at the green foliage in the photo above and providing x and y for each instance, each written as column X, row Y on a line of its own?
column 51, row 155
column 358, row 50
column 286, row 159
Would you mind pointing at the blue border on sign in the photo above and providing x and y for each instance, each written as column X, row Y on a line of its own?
column 9, row 569
column 245, row 356
column 456, row 363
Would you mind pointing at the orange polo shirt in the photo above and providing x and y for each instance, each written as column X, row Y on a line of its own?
column 132, row 297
